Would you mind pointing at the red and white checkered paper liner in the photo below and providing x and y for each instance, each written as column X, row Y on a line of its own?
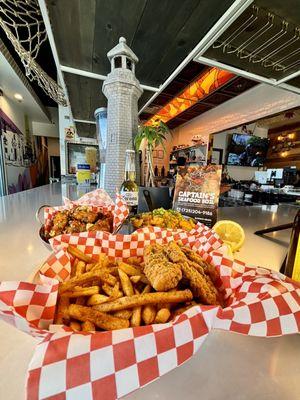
column 109, row 365
column 99, row 200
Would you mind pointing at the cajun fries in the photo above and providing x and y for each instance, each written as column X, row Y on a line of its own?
column 116, row 294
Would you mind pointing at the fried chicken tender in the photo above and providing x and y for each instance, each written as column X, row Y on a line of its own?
column 162, row 274
column 201, row 284
column 197, row 261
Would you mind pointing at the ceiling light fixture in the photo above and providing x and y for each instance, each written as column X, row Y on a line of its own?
column 209, row 81
column 18, row 96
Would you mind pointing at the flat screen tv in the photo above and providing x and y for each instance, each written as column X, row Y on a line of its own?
column 247, row 150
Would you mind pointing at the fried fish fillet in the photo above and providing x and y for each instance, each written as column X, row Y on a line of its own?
column 161, row 273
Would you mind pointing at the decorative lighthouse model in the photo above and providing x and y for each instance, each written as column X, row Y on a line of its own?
column 122, row 90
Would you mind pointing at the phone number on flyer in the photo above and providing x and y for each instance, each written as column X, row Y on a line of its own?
column 194, row 211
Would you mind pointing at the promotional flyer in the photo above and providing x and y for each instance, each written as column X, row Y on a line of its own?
column 197, row 192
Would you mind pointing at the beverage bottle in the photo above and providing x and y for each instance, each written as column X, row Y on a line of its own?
column 129, row 188
column 292, row 265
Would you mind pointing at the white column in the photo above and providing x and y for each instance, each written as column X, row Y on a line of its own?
column 65, row 121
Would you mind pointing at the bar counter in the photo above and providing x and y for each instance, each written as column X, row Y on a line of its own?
column 228, row 365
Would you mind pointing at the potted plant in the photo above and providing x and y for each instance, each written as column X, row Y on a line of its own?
column 153, row 136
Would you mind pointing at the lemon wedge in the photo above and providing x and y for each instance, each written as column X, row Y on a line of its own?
column 231, row 233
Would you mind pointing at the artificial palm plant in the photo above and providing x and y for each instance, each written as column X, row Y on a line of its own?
column 153, row 136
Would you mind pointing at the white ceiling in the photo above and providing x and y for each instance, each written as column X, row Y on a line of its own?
column 10, row 83
column 259, row 102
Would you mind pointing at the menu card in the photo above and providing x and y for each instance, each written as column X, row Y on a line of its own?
column 197, row 192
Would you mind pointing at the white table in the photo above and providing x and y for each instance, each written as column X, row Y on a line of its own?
column 228, row 366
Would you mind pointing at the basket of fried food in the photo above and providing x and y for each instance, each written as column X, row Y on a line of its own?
column 163, row 219
column 95, row 211
column 114, row 294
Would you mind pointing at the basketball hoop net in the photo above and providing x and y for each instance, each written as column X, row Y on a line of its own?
column 23, row 24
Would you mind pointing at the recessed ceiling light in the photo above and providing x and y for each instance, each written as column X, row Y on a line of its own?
column 18, row 96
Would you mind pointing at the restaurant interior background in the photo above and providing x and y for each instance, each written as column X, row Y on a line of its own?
column 224, row 76
column 220, row 69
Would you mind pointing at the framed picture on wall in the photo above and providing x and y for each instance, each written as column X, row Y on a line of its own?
column 216, row 156
column 160, row 154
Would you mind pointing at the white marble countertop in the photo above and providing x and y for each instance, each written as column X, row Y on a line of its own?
column 228, row 365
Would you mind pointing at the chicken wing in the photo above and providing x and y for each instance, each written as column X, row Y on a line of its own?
column 60, row 221
column 84, row 214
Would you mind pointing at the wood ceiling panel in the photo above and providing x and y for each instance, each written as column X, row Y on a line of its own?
column 238, row 86
column 175, row 122
column 203, row 17
column 159, row 26
column 85, row 96
column 216, row 98
column 86, row 130
column 73, row 25
column 114, row 18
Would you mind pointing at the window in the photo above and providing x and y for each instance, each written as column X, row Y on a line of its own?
column 118, row 62
column 128, row 64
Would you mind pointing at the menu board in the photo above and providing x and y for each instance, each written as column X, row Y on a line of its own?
column 197, row 192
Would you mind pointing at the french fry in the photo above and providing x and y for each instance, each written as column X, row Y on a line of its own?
column 61, row 310
column 145, row 298
column 135, row 278
column 101, row 320
column 80, row 301
column 126, row 283
column 90, row 267
column 128, row 269
column 148, row 314
column 162, row 316
column 103, row 260
column 114, row 271
column 183, row 309
column 125, row 314
column 79, row 291
column 136, row 261
column 73, row 268
column 76, row 326
column 97, row 299
column 80, row 268
column 88, row 326
column 107, row 289
column 87, row 277
column 79, row 254
column 112, row 292
column 136, row 317
column 116, row 292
